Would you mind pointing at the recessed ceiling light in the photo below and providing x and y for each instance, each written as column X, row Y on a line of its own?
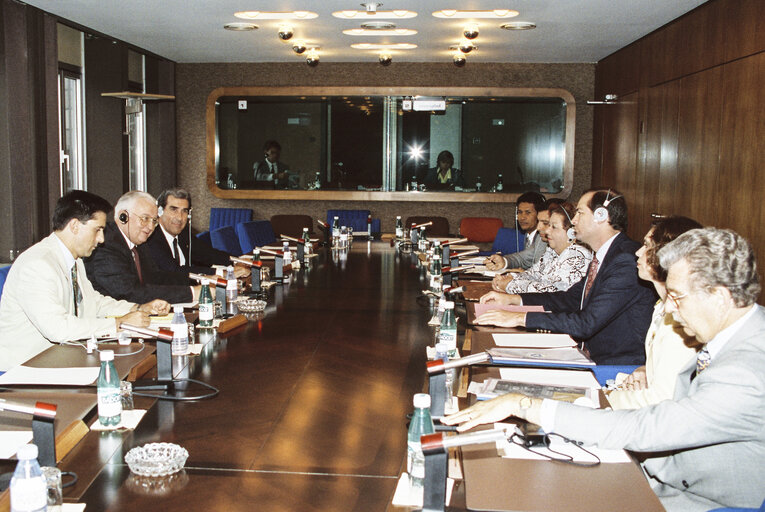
column 394, row 46
column 240, row 26
column 496, row 13
column 378, row 25
column 368, row 31
column 518, row 25
column 288, row 15
column 464, row 47
column 401, row 14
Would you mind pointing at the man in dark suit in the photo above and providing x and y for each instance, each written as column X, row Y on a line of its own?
column 444, row 176
column 610, row 309
column 171, row 246
column 270, row 169
column 122, row 267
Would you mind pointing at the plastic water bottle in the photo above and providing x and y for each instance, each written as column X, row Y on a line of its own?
column 287, row 253
column 420, row 425
column 206, row 307
column 399, row 227
column 180, row 344
column 109, row 399
column 344, row 237
column 29, row 492
column 442, row 353
column 256, row 255
column 448, row 332
column 500, row 185
column 335, row 231
column 478, row 184
column 232, row 291
column 307, row 245
column 422, row 243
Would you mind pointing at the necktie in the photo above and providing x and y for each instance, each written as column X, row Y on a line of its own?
column 702, row 361
column 175, row 251
column 76, row 292
column 591, row 273
column 137, row 260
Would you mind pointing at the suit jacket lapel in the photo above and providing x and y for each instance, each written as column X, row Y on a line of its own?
column 603, row 265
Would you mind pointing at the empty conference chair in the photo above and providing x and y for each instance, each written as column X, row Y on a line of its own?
column 439, row 228
column 507, row 241
column 356, row 219
column 220, row 217
column 225, row 239
column 291, row 225
column 255, row 234
column 480, row 229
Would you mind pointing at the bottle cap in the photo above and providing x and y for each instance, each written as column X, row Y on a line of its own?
column 177, row 309
column 107, row 355
column 441, row 348
column 398, row 217
column 27, row 452
column 230, row 268
column 449, row 304
column 336, row 217
column 205, row 282
column 421, row 400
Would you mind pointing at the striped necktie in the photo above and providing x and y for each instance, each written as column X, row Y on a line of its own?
column 76, row 292
column 702, row 362
column 591, row 273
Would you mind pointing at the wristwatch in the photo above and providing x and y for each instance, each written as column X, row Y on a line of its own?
column 525, row 403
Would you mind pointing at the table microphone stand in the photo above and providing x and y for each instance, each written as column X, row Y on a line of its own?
column 43, row 433
column 437, row 379
column 165, row 380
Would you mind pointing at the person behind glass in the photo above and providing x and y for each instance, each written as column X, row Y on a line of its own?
column 529, row 205
column 123, row 267
column 444, row 176
column 668, row 349
column 564, row 262
column 704, row 448
column 172, row 244
column 48, row 297
column 270, row 168
column 609, row 310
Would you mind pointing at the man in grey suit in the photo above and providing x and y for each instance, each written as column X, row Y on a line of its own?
column 529, row 206
column 48, row 297
column 705, row 448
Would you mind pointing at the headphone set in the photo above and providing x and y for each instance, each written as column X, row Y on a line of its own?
column 601, row 212
column 123, row 217
column 570, row 232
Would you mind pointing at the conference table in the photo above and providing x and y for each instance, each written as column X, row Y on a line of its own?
column 311, row 413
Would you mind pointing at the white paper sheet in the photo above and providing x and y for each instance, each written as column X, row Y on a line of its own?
column 404, row 497
column 550, row 377
column 12, row 440
column 128, row 420
column 51, row 376
column 533, row 340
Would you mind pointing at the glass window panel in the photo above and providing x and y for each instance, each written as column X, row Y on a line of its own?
column 72, row 164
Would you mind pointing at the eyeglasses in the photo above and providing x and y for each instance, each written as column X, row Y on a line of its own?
column 143, row 220
column 676, row 298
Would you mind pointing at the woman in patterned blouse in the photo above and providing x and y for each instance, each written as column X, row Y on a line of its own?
column 563, row 264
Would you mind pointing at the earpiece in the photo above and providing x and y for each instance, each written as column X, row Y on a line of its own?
column 123, row 217
column 571, row 234
column 160, row 211
column 601, row 212
column 190, row 216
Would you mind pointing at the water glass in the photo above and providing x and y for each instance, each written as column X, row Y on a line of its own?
column 52, row 477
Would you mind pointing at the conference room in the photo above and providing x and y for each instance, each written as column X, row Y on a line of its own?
column 660, row 103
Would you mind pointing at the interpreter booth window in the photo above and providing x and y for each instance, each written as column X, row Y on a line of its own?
column 481, row 145
column 71, row 131
column 392, row 143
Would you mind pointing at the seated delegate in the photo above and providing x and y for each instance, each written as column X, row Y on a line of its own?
column 528, row 207
column 668, row 349
column 48, row 298
column 705, row 448
column 609, row 310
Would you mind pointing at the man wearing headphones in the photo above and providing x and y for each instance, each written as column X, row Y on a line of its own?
column 123, row 268
column 173, row 248
column 610, row 309
column 529, row 206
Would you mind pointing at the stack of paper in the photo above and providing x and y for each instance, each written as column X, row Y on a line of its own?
column 546, row 357
column 533, row 340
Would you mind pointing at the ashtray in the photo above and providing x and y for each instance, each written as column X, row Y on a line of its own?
column 248, row 305
column 156, row 459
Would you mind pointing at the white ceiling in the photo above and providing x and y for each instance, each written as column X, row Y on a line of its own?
column 192, row 30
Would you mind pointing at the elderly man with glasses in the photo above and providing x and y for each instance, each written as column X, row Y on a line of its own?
column 121, row 267
column 704, row 448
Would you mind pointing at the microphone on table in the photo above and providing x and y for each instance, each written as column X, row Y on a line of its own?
column 43, row 432
column 448, row 271
column 254, row 273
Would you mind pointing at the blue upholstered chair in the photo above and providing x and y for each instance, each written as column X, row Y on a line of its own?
column 205, row 237
column 356, row 219
column 605, row 372
column 220, row 217
column 255, row 234
column 225, row 239
column 507, row 241
column 3, row 276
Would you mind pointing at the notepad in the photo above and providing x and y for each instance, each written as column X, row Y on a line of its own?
column 546, row 357
column 533, row 340
column 550, row 376
column 51, row 376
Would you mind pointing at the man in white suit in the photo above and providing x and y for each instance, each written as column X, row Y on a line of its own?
column 47, row 296
column 705, row 448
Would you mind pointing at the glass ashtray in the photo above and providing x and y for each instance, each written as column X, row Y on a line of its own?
column 156, row 459
column 250, row 305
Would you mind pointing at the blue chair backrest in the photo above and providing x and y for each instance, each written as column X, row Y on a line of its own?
column 255, row 234
column 225, row 239
column 508, row 241
column 356, row 219
column 3, row 276
column 220, row 217
column 205, row 237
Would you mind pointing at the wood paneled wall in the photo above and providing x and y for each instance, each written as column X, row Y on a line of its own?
column 688, row 133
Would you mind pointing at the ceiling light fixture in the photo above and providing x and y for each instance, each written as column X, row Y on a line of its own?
column 459, row 59
column 392, row 46
column 299, row 47
column 373, row 13
column 365, row 31
column 470, row 31
column 287, row 15
column 496, row 13
column 385, row 58
column 240, row 27
column 285, row 32
column 312, row 57
column 466, row 46
column 519, row 25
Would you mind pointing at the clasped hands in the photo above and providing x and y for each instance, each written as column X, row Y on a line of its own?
column 498, row 317
column 139, row 315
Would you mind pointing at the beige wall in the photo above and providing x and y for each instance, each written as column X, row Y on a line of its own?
column 194, row 82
